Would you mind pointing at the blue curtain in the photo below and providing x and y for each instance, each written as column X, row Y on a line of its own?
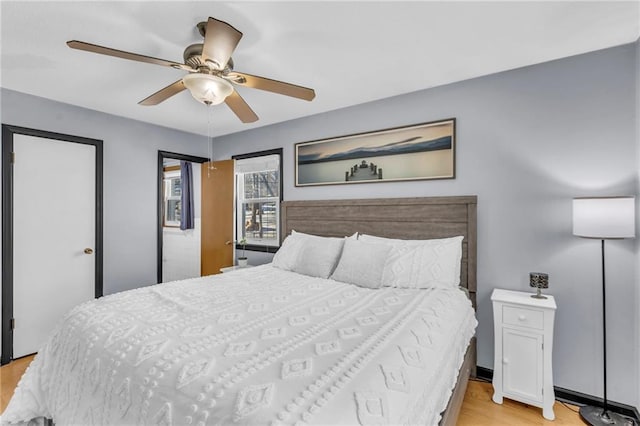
column 186, row 196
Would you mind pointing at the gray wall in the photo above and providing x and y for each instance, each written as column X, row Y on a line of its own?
column 637, row 286
column 529, row 140
column 130, row 177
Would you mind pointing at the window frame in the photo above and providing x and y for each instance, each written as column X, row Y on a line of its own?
column 168, row 176
column 256, row 247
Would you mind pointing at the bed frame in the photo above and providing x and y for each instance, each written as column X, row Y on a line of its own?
column 406, row 218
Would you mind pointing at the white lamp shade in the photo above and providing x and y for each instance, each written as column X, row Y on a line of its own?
column 604, row 217
column 208, row 89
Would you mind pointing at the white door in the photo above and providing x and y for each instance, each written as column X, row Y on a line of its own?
column 54, row 224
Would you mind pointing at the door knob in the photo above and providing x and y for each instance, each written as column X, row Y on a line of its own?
column 88, row 251
column 228, row 242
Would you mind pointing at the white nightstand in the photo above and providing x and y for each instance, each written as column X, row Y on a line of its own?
column 234, row 268
column 523, row 335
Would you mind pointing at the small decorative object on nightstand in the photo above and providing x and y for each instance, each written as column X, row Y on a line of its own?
column 523, row 336
column 538, row 280
column 242, row 260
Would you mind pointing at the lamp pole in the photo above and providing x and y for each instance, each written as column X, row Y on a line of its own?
column 605, row 408
column 603, row 218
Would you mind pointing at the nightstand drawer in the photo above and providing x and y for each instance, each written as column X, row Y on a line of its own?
column 523, row 317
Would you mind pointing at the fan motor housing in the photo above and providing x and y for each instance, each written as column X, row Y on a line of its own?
column 193, row 57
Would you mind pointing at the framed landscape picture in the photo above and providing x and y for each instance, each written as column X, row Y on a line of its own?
column 421, row 151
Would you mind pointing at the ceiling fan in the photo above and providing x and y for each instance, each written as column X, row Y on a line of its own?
column 210, row 67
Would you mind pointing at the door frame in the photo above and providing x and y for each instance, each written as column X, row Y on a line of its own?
column 7, row 222
column 160, row 214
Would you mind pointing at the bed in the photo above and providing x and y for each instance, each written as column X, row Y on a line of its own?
column 268, row 346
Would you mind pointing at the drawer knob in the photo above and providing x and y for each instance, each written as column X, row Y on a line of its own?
column 505, row 360
column 521, row 317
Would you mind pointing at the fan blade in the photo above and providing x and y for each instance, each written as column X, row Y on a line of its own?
column 240, row 108
column 274, row 86
column 94, row 48
column 163, row 94
column 220, row 41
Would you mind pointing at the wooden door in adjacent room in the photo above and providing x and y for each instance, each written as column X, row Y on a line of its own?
column 217, row 216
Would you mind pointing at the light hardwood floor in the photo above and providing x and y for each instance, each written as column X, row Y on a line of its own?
column 9, row 377
column 477, row 409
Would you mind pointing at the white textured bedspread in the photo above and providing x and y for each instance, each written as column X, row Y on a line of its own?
column 255, row 346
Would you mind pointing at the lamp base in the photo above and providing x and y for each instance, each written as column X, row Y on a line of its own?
column 538, row 294
column 596, row 416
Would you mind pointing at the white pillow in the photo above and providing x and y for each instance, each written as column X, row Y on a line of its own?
column 309, row 254
column 287, row 255
column 421, row 263
column 361, row 263
column 374, row 239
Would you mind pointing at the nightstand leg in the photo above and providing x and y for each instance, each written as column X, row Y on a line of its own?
column 547, row 412
column 497, row 394
column 497, row 383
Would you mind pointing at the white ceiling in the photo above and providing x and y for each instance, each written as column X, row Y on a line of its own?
column 349, row 52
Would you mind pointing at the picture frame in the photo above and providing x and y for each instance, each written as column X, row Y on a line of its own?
column 423, row 151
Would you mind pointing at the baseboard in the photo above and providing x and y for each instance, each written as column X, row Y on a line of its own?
column 573, row 397
column 579, row 398
column 484, row 373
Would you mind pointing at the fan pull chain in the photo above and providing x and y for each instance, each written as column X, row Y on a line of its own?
column 209, row 141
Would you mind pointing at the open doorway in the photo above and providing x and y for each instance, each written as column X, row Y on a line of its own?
column 179, row 217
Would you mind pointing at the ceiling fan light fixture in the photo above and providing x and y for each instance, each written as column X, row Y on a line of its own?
column 206, row 88
column 210, row 69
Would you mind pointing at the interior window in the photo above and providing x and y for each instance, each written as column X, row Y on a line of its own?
column 172, row 193
column 258, row 192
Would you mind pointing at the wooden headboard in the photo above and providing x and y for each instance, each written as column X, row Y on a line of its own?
column 405, row 218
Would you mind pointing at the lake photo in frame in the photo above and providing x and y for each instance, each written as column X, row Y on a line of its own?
column 421, row 151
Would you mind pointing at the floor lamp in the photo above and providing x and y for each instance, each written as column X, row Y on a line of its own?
column 603, row 218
